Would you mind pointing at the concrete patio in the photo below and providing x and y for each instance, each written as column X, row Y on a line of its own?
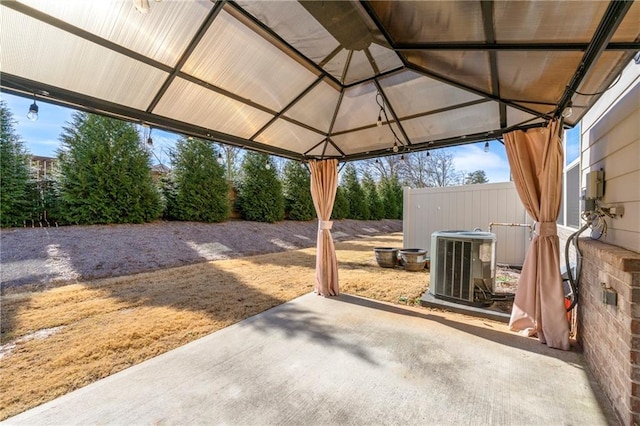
column 344, row 360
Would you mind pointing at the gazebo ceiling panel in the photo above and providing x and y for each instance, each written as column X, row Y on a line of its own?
column 190, row 102
column 325, row 149
column 437, row 21
column 524, row 75
column 168, row 30
column 359, row 68
column 518, row 21
column 295, row 25
column 358, row 108
column 317, row 108
column 370, row 139
column 470, row 68
column 286, row 135
column 283, row 76
column 518, row 117
column 477, row 118
column 385, row 59
column 628, row 29
column 411, row 93
column 262, row 72
column 33, row 51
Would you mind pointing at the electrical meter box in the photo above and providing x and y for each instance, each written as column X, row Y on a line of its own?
column 594, row 185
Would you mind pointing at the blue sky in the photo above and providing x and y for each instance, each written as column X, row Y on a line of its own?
column 42, row 138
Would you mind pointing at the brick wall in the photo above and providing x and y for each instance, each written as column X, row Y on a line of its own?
column 610, row 335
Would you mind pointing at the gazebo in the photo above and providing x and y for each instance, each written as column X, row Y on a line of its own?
column 336, row 81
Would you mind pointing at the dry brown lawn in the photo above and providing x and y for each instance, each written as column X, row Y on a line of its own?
column 64, row 338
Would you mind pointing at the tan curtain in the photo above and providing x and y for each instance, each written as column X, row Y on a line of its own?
column 324, row 183
column 536, row 161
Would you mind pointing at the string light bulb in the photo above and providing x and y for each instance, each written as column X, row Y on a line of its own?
column 428, row 154
column 486, row 146
column 568, row 110
column 33, row 110
column 379, row 122
column 219, row 158
column 395, row 146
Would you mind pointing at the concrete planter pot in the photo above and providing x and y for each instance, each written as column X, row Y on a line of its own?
column 387, row 257
column 414, row 259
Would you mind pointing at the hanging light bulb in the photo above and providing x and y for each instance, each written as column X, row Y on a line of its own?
column 33, row 110
column 268, row 166
column 149, row 141
column 568, row 110
column 141, row 6
column 220, row 158
column 379, row 122
column 402, row 157
column 428, row 154
column 395, row 146
column 486, row 146
column 377, row 161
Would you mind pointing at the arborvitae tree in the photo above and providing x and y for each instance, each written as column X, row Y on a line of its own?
column 358, row 208
column 260, row 192
column 14, row 172
column 297, row 192
column 376, row 208
column 196, row 189
column 106, row 175
column 479, row 176
column 340, row 205
column 391, row 191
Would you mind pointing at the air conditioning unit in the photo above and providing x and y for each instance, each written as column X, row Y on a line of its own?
column 463, row 266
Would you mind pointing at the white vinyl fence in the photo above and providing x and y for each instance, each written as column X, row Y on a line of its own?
column 467, row 207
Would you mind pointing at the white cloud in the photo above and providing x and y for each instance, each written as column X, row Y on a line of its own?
column 469, row 158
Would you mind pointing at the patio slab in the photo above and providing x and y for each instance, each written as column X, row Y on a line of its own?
column 344, row 360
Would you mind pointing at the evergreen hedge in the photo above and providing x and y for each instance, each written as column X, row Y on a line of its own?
column 106, row 175
column 260, row 195
column 196, row 189
column 297, row 192
column 358, row 208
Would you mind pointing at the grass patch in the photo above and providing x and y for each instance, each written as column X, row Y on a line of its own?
column 64, row 338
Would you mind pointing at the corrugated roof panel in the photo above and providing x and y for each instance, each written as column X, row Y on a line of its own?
column 359, row 68
column 475, row 119
column 40, row 52
column 295, row 25
column 317, row 108
column 237, row 59
column 527, row 75
column 326, row 149
column 336, row 65
column 370, row 139
column 547, row 21
column 516, row 117
column 470, row 68
column 385, row 59
column 435, row 21
column 286, row 135
column 191, row 103
column 629, row 29
column 358, row 108
column 162, row 34
column 411, row 93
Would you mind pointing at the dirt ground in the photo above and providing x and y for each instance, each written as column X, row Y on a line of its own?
column 106, row 298
column 59, row 339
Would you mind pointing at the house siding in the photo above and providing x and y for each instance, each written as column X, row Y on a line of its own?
column 610, row 334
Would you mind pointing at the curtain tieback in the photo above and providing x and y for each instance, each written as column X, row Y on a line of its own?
column 325, row 224
column 546, row 229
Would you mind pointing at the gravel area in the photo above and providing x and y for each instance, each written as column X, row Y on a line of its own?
column 38, row 258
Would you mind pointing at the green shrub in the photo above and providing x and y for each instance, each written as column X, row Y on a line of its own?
column 297, row 192
column 376, row 208
column 15, row 194
column 341, row 205
column 358, row 208
column 105, row 173
column 196, row 189
column 260, row 192
column 391, row 192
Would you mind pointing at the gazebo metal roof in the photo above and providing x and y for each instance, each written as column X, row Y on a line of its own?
column 310, row 79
